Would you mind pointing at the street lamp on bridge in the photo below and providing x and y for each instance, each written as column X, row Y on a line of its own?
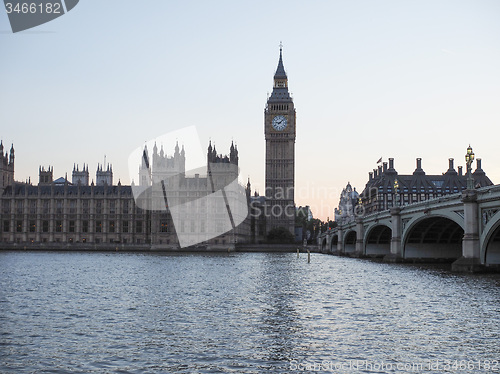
column 359, row 209
column 396, row 196
column 469, row 158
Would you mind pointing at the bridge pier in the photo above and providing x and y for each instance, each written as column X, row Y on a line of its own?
column 470, row 261
column 359, row 250
column 340, row 242
column 397, row 232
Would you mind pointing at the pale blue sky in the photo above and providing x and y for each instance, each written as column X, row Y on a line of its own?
column 400, row 79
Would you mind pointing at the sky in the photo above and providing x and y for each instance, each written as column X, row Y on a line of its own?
column 370, row 79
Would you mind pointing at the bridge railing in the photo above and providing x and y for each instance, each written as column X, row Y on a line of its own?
column 425, row 203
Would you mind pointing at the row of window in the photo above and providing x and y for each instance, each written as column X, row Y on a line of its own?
column 192, row 227
column 278, row 106
column 385, row 201
column 112, row 241
column 416, row 190
column 85, row 240
column 98, row 207
column 98, row 226
column 58, row 208
column 163, row 226
column 280, row 84
column 405, row 197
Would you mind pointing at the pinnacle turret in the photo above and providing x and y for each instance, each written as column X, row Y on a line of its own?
column 280, row 89
column 280, row 71
column 11, row 157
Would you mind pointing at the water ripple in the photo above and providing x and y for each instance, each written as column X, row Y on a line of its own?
column 237, row 313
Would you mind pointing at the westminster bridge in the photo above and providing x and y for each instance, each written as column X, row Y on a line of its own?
column 463, row 228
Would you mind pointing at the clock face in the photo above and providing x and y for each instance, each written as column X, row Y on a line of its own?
column 279, row 123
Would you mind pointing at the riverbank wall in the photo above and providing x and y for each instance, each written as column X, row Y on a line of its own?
column 110, row 247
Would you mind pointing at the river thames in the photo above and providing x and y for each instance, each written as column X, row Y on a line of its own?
column 64, row 312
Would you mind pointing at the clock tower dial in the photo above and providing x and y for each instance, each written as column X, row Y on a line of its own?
column 279, row 129
column 279, row 122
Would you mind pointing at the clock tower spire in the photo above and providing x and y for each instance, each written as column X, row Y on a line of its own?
column 279, row 130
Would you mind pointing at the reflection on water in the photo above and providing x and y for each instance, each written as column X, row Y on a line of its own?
column 239, row 313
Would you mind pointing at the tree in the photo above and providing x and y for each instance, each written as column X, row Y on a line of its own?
column 280, row 235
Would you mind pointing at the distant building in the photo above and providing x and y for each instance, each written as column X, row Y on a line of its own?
column 349, row 199
column 304, row 211
column 61, row 181
column 258, row 224
column 379, row 193
column 304, row 215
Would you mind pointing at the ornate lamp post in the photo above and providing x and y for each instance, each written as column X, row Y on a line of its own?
column 359, row 210
column 396, row 197
column 469, row 158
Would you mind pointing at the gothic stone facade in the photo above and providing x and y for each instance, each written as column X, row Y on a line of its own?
column 58, row 213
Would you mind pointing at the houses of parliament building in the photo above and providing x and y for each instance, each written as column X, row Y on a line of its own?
column 63, row 214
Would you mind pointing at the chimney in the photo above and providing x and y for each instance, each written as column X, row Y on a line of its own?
column 391, row 163
column 451, row 168
column 385, row 166
column 370, row 176
column 375, row 175
column 418, row 170
column 460, row 170
column 379, row 171
column 478, row 164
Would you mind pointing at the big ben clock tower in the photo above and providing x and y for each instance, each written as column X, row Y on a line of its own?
column 279, row 129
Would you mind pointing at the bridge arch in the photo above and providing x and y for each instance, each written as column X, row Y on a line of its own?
column 433, row 237
column 490, row 251
column 350, row 241
column 378, row 240
column 323, row 243
column 333, row 242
